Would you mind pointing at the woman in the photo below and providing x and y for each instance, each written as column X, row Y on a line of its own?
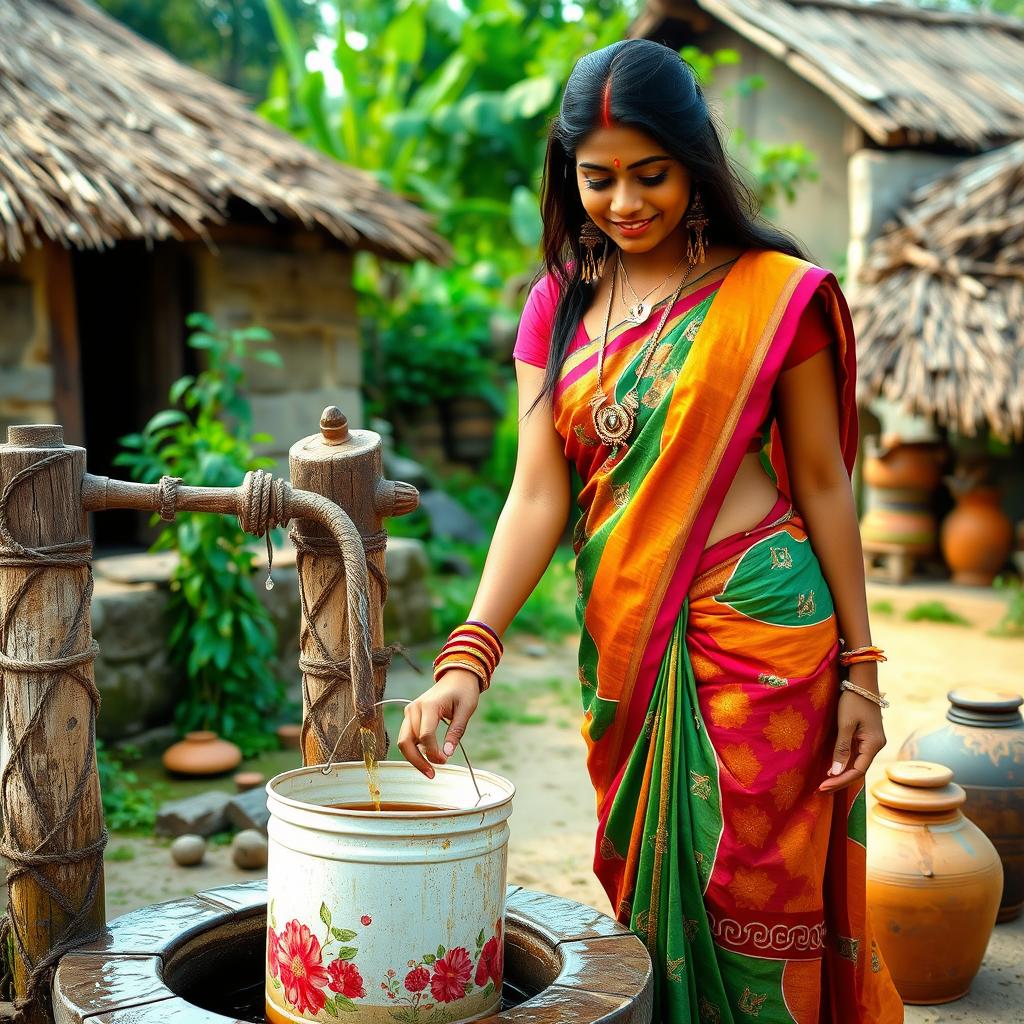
column 699, row 374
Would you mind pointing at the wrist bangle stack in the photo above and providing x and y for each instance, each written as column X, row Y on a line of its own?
column 861, row 654
column 877, row 698
column 473, row 646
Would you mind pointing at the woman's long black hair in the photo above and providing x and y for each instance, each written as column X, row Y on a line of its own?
column 655, row 91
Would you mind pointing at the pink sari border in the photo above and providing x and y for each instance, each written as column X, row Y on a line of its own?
column 750, row 418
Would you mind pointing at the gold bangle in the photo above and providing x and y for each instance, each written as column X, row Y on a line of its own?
column 877, row 698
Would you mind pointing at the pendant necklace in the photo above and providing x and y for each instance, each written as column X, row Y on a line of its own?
column 641, row 308
column 614, row 423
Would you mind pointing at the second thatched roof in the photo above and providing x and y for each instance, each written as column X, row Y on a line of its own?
column 104, row 136
column 939, row 309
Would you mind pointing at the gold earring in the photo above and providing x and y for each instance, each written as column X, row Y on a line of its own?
column 590, row 236
column 696, row 222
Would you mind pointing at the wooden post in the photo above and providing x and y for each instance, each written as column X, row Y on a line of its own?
column 346, row 466
column 43, row 510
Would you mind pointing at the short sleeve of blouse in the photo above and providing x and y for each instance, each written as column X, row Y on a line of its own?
column 813, row 333
column 534, row 336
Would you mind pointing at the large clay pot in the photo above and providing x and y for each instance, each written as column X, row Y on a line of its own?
column 901, row 481
column 201, row 753
column 976, row 537
column 905, row 466
column 933, row 883
column 982, row 741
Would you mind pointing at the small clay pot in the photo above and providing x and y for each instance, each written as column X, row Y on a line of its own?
column 245, row 781
column 976, row 537
column 249, row 850
column 290, row 736
column 202, row 753
column 982, row 741
column 933, row 883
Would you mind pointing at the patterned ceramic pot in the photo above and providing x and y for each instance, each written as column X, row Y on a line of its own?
column 982, row 741
column 933, row 883
column 396, row 914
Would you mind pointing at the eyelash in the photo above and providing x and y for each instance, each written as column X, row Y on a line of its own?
column 597, row 185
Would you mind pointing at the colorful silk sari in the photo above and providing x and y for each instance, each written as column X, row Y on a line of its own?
column 709, row 678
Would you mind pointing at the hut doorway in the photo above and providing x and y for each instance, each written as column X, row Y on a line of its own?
column 131, row 304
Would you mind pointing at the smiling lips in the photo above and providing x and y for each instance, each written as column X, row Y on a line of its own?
column 632, row 225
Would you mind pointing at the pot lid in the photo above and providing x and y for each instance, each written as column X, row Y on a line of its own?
column 979, row 705
column 918, row 786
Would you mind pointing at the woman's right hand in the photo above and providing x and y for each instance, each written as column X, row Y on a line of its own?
column 453, row 698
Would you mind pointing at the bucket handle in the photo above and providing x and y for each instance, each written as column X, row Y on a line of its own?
column 326, row 770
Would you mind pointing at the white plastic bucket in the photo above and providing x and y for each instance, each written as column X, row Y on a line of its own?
column 398, row 915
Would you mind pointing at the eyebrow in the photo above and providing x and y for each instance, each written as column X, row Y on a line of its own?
column 639, row 163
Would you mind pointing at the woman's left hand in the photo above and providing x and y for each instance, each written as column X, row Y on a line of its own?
column 860, row 738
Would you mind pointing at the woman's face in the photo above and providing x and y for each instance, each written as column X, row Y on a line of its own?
column 626, row 179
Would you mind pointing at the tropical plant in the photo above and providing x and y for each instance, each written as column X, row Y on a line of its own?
column 220, row 634
column 229, row 39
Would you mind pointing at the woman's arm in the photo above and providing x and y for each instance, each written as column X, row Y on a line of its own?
column 809, row 424
column 528, row 530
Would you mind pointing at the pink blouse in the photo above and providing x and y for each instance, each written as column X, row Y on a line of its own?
column 534, row 336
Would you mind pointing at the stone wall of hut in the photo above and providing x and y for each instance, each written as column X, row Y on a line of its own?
column 26, row 380
column 788, row 109
column 305, row 299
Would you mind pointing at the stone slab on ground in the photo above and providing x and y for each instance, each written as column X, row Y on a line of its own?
column 249, row 810
column 201, row 815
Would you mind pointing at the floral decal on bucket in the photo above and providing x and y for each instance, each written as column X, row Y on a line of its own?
column 445, row 976
column 312, row 976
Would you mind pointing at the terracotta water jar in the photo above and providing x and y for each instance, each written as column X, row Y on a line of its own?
column 982, row 741
column 933, row 882
column 901, row 481
column 201, row 753
column 976, row 537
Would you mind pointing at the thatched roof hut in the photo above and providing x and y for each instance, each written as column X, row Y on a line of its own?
column 134, row 190
column 940, row 305
column 906, row 75
column 105, row 137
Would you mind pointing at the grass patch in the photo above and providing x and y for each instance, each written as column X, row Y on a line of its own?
column 935, row 611
column 121, row 853
column 497, row 713
column 1012, row 622
column 881, row 608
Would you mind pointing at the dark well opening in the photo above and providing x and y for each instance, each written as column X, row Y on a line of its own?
column 222, row 970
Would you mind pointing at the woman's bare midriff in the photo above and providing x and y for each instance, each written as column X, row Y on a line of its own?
column 749, row 499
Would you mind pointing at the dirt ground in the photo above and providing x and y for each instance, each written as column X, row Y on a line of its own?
column 527, row 729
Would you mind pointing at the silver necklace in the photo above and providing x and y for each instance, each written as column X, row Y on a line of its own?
column 641, row 308
column 614, row 423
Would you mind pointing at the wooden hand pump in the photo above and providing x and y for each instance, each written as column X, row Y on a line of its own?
column 53, row 834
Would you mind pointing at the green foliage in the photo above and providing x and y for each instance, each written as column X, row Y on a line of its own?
column 128, row 806
column 882, row 608
column 446, row 104
column 549, row 611
column 935, row 611
column 229, row 39
column 1012, row 622
column 220, row 634
column 426, row 339
column 121, row 853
